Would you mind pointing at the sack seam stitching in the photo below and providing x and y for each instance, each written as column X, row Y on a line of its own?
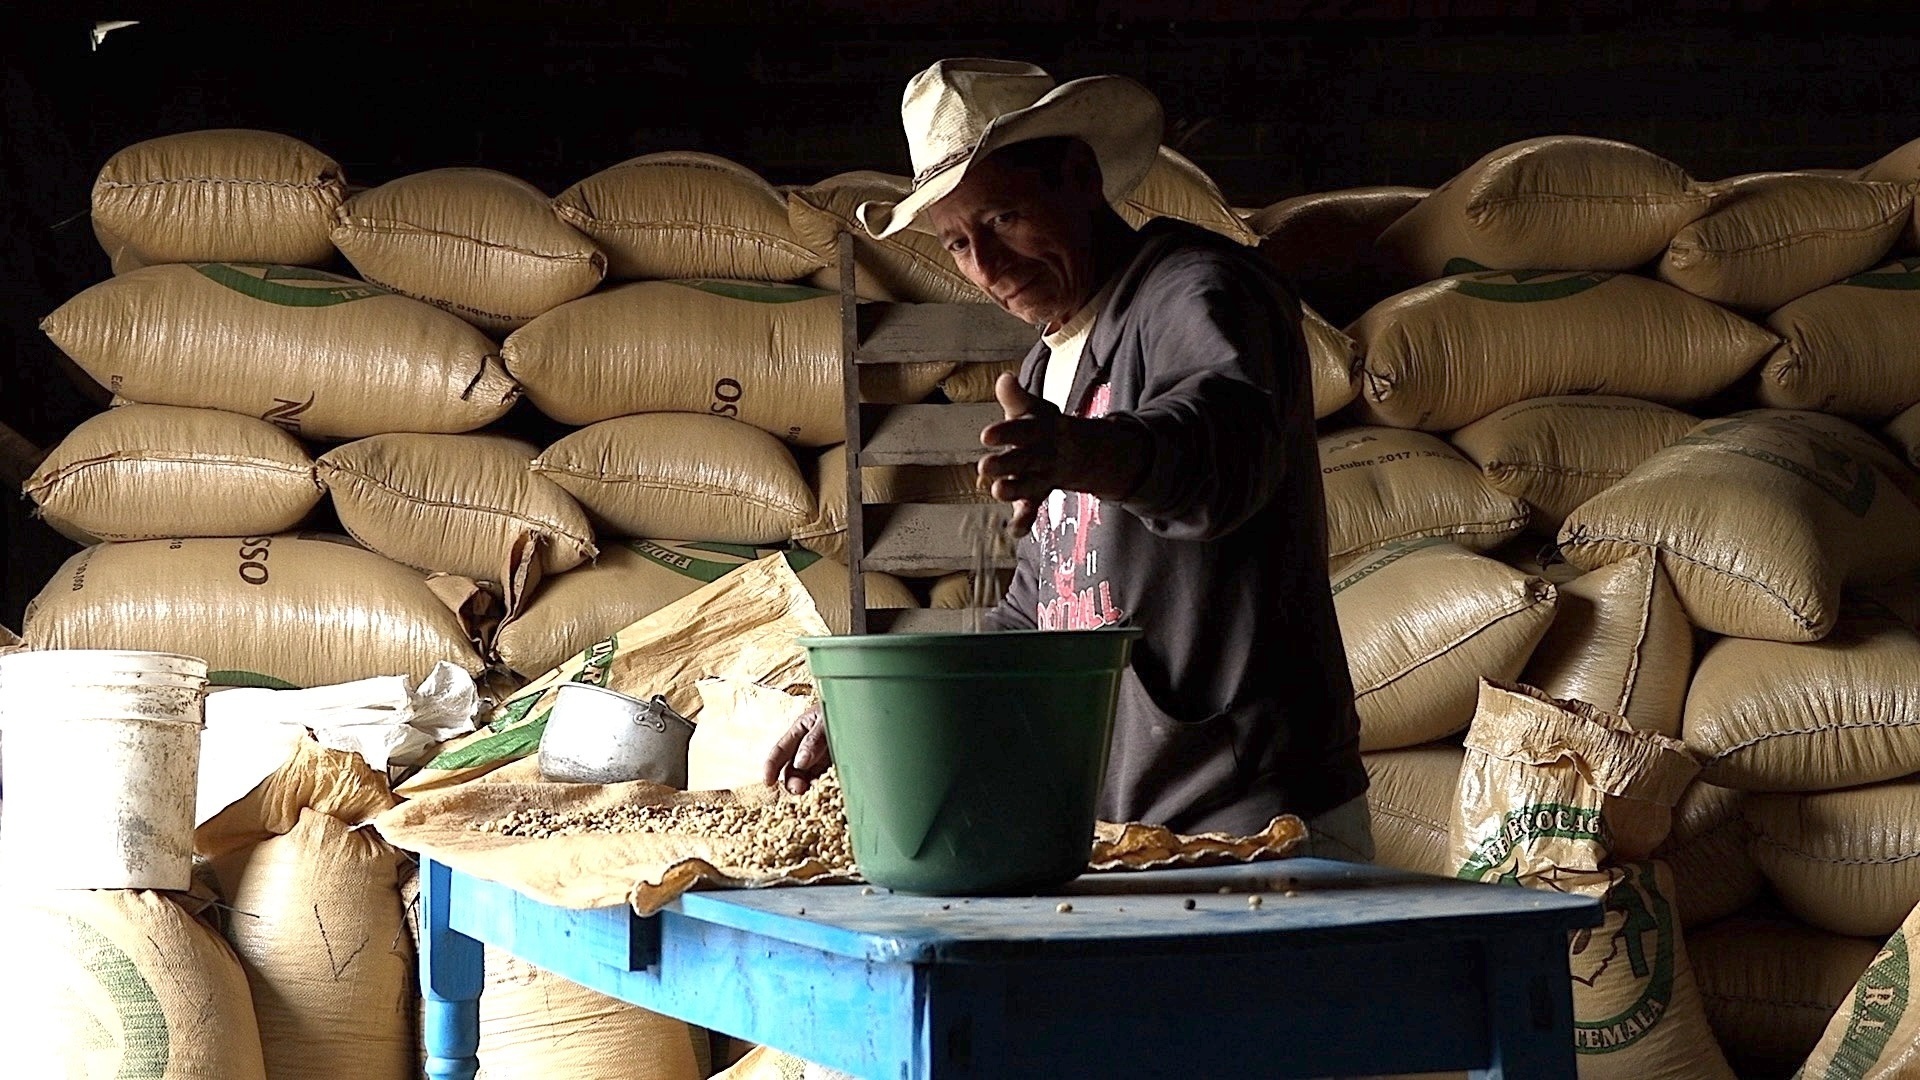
column 546, row 527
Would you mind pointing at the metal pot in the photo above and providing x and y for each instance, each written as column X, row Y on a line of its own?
column 600, row 736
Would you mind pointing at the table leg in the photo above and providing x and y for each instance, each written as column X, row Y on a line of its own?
column 1530, row 1009
column 450, row 977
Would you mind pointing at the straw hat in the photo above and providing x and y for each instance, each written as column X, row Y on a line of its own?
column 960, row 110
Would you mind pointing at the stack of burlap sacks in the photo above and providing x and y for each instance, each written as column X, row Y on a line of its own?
column 1614, row 438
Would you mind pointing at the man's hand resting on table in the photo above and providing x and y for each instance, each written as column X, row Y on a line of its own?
column 801, row 755
column 1042, row 450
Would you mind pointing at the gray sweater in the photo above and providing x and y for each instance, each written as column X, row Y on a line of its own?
column 1237, row 704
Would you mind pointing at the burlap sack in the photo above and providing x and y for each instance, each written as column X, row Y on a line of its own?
column 1759, row 519
column 1445, row 354
column 462, row 504
column 1637, row 1013
column 122, row 983
column 909, row 265
column 1619, row 642
column 141, row 472
column 338, row 783
column 1385, row 486
column 738, row 725
column 1423, row 623
column 1334, row 359
column 1177, row 188
column 765, row 354
column 1904, row 430
column 827, row 532
column 1554, row 787
column 1324, row 243
column 1770, row 984
column 1849, row 348
column 1561, row 202
column 635, row 578
column 1835, row 713
column 1714, row 874
column 535, row 1025
column 292, row 610
column 1558, row 452
column 682, row 476
column 1875, row 1034
column 478, row 243
column 1846, row 861
column 687, row 215
column 1410, row 800
column 742, row 626
column 320, row 355
column 1782, row 237
column 973, row 383
column 219, row 195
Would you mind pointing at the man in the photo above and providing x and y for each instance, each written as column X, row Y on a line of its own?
column 1158, row 451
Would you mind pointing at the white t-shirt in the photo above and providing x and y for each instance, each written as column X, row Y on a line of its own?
column 1064, row 347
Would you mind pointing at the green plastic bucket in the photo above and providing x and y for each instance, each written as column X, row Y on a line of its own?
column 971, row 763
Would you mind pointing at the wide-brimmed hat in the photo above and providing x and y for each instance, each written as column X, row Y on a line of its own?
column 959, row 111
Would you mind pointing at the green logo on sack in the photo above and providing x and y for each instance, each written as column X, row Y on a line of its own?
column 1492, row 858
column 1846, row 479
column 237, row 677
column 146, row 1048
column 1528, row 286
column 1381, row 560
column 1902, row 276
column 288, row 286
column 759, row 292
column 1879, row 1003
column 708, row 570
column 1641, row 910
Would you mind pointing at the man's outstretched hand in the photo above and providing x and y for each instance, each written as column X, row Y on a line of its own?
column 1040, row 450
column 801, row 755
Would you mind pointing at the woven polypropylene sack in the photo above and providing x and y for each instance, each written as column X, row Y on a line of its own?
column 1620, row 642
column 320, row 355
column 1334, row 359
column 220, row 195
column 1440, row 356
column 123, row 983
column 1759, row 519
column 765, row 354
column 682, row 476
column 1563, row 201
column 1834, row 713
column 1875, row 1034
column 1324, row 243
column 462, row 504
column 681, row 214
column 973, row 383
column 1558, row 452
column 1846, row 861
column 1714, row 874
column 286, row 610
column 1410, row 796
column 909, row 265
column 827, row 532
column 1770, row 984
column 1775, row 238
column 535, row 1025
column 474, row 242
column 1423, row 623
column 1904, row 430
column 1175, row 187
column 140, row 472
column 1849, row 348
column 1386, row 486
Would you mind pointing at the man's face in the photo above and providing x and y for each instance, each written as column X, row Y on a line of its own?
column 1024, row 239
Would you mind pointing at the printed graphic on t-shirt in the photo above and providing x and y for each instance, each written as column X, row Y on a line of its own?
column 1074, row 593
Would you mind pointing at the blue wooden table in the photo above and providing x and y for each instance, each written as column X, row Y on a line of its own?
column 1339, row 970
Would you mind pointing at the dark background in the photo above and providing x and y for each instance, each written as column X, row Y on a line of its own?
column 1272, row 99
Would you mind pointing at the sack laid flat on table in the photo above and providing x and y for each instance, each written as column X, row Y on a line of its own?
column 761, row 353
column 1558, row 452
column 1846, row 861
column 227, row 194
column 291, row 610
column 1849, row 348
column 1423, row 623
column 681, row 214
column 1875, row 1035
column 142, row 472
column 1444, row 354
column 1385, row 486
column 1620, row 642
column 1759, row 519
column 320, row 355
column 474, row 242
column 1410, row 800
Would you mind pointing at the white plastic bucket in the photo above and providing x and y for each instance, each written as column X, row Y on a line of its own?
column 102, row 754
